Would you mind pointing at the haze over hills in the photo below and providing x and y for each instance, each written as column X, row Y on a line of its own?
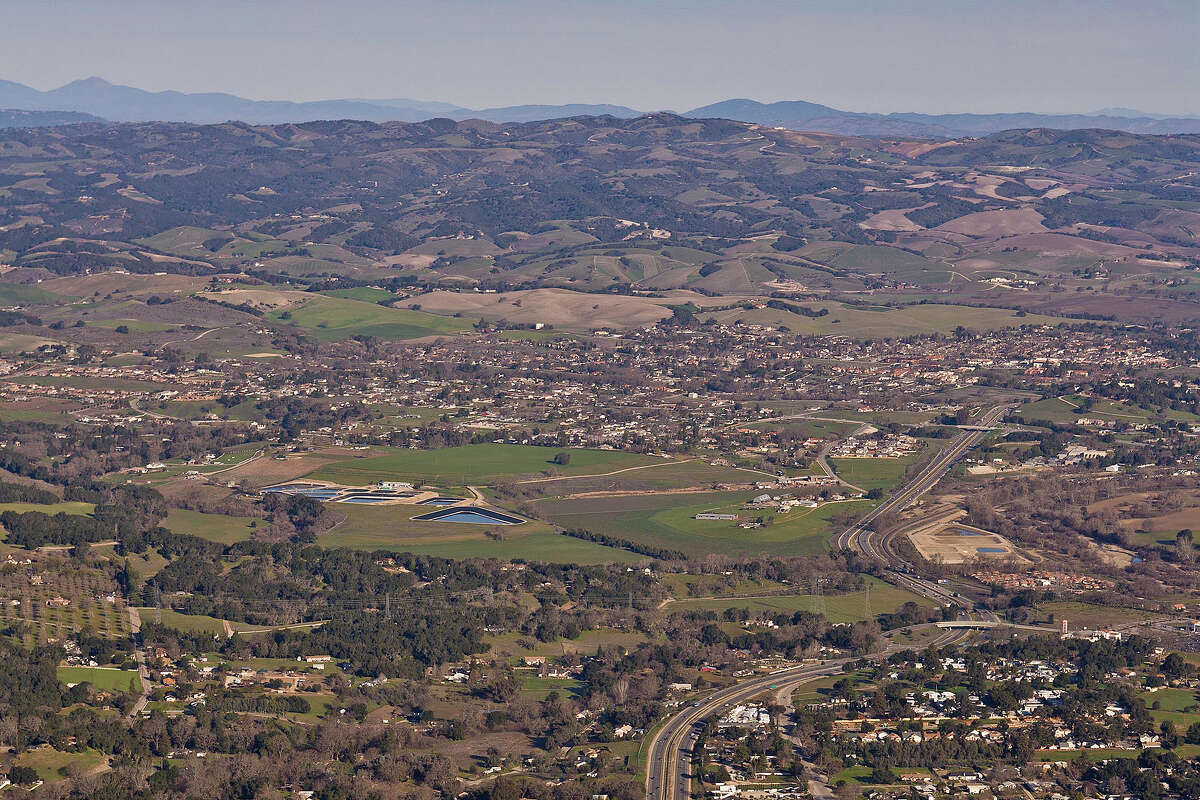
column 99, row 98
column 128, row 104
column 801, row 115
column 18, row 118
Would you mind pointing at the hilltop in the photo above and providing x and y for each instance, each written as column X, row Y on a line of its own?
column 1033, row 219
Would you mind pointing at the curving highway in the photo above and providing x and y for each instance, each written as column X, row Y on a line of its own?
column 857, row 535
column 669, row 758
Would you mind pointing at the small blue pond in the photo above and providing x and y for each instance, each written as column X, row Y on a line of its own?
column 990, row 550
column 475, row 516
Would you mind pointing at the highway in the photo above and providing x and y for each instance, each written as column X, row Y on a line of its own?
column 669, row 756
column 668, row 765
column 856, row 536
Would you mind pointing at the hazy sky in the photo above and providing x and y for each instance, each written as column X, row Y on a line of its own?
column 917, row 55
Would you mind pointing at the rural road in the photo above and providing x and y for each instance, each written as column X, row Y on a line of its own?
column 135, row 631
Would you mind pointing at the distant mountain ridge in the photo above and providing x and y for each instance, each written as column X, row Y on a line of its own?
column 117, row 103
column 101, row 99
column 801, row 115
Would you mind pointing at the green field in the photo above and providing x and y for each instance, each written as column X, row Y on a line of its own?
column 1102, row 754
column 336, row 318
column 540, row 688
column 472, row 464
column 810, row 428
column 200, row 623
column 134, row 325
column 185, row 240
column 587, row 642
column 871, row 473
column 68, row 507
column 214, row 527
column 365, row 294
column 392, row 528
column 124, row 680
column 655, row 477
column 1180, row 706
column 817, row 691
column 21, row 294
column 11, row 414
column 189, row 623
column 197, row 409
column 849, row 607
column 1070, row 408
column 53, row 765
column 668, row 521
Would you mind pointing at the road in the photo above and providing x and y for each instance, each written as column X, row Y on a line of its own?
column 856, row 537
column 669, row 759
column 135, row 630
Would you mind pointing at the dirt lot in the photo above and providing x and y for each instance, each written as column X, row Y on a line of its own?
column 956, row 544
column 268, row 471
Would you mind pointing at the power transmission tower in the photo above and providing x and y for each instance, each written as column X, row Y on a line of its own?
column 867, row 602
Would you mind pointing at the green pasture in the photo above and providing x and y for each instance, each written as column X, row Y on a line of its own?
column 335, row 318
column 472, row 464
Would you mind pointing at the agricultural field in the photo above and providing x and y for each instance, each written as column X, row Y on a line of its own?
column 364, row 294
column 809, row 428
column 506, row 645
column 129, row 325
column 67, row 507
column 560, row 308
column 392, row 528
column 54, row 765
column 214, row 527
column 59, row 603
column 86, row 382
column 12, row 294
column 655, row 477
column 849, row 607
column 472, row 464
column 189, row 623
column 537, row 688
column 667, row 521
column 1070, row 408
column 119, row 680
column 335, row 318
column 872, row 473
